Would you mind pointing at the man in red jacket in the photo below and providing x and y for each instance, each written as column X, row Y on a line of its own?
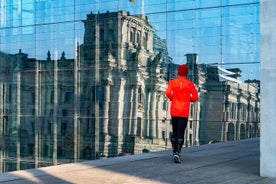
column 181, row 93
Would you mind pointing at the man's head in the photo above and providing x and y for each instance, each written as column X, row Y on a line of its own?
column 183, row 70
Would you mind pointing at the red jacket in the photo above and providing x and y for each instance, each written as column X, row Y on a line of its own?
column 181, row 92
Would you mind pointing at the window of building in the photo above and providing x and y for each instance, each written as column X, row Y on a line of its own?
column 145, row 40
column 63, row 128
column 102, row 36
column 191, row 124
column 138, row 37
column 140, row 98
column 139, row 127
column 163, row 135
column 164, row 106
column 191, row 139
column 69, row 96
column 65, row 112
column 112, row 35
column 192, row 110
column 132, row 35
column 33, row 127
column 50, row 128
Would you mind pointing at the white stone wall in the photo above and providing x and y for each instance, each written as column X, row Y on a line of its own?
column 268, row 83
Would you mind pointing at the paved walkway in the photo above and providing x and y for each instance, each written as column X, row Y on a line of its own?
column 234, row 162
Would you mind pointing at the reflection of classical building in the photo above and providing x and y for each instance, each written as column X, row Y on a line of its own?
column 229, row 108
column 35, row 113
column 131, row 105
column 110, row 99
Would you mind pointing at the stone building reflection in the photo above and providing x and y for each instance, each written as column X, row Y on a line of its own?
column 229, row 108
column 110, row 99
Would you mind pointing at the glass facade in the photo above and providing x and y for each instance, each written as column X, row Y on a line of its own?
column 84, row 80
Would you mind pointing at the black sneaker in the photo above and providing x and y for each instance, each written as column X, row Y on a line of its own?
column 176, row 158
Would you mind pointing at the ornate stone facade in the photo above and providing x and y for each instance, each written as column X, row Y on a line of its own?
column 230, row 108
column 119, row 48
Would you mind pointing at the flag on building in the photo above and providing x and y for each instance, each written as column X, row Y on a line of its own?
column 133, row 1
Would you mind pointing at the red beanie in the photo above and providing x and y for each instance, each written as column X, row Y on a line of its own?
column 183, row 70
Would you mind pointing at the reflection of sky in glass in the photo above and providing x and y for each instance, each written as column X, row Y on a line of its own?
column 220, row 31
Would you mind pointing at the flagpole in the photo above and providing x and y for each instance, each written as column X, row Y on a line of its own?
column 143, row 7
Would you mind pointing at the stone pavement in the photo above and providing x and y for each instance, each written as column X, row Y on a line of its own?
column 234, row 162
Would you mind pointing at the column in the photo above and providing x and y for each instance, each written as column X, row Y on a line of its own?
column 106, row 102
column 18, row 102
column 134, row 108
column 37, row 111
column 55, row 119
column 152, row 117
column 76, row 106
column 268, row 95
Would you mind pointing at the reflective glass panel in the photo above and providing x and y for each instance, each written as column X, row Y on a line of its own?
column 85, row 80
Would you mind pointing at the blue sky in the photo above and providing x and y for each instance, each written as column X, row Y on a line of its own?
column 220, row 31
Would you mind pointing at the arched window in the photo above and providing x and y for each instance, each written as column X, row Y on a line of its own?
column 138, row 38
column 242, row 132
column 231, row 132
column 145, row 40
column 132, row 36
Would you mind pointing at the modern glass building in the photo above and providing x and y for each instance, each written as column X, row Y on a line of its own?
column 83, row 80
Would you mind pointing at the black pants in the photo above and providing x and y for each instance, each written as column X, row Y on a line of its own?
column 179, row 125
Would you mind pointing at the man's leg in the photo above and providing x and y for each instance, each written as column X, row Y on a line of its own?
column 182, row 124
column 174, row 134
column 174, row 145
column 179, row 143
